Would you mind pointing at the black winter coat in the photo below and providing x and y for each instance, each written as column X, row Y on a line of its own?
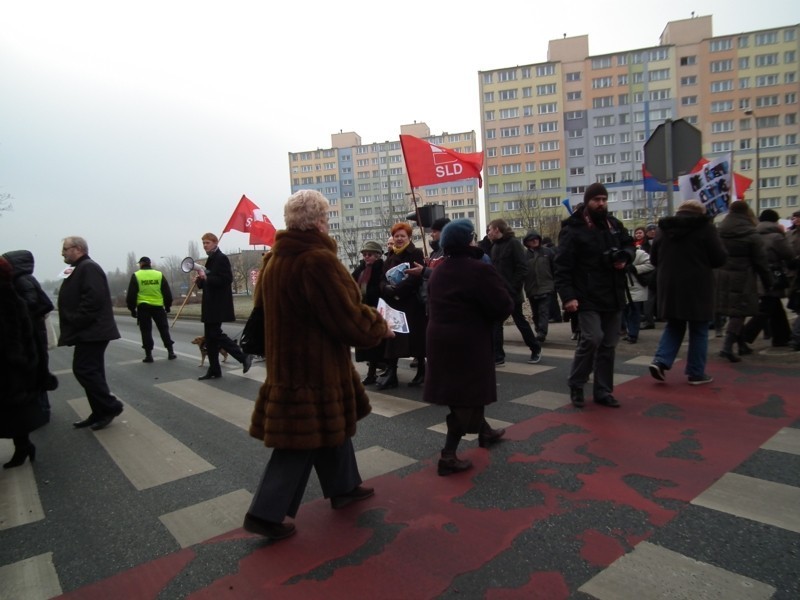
column 736, row 291
column 686, row 250
column 85, row 312
column 405, row 296
column 583, row 263
column 508, row 257
column 466, row 297
column 217, row 304
column 779, row 253
column 371, row 296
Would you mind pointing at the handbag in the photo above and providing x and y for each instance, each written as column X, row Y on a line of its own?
column 252, row 339
column 779, row 279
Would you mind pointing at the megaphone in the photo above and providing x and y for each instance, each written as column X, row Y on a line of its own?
column 188, row 265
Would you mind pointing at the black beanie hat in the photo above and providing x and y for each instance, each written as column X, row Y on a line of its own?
column 439, row 224
column 457, row 234
column 596, row 189
column 768, row 215
column 144, row 260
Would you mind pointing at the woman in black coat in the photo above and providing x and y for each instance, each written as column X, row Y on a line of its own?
column 20, row 408
column 466, row 297
column 736, row 290
column 369, row 274
column 404, row 296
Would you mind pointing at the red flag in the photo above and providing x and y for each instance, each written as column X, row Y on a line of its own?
column 428, row 164
column 248, row 218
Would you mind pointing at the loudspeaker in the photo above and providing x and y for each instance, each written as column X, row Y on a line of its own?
column 427, row 214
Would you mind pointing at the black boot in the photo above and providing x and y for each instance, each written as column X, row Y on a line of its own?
column 171, row 353
column 371, row 376
column 388, row 380
column 22, row 450
column 419, row 378
column 727, row 348
column 148, row 356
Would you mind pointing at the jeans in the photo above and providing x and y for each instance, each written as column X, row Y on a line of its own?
column 671, row 340
column 631, row 318
column 540, row 310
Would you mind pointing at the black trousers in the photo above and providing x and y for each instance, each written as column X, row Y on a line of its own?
column 771, row 315
column 147, row 315
column 216, row 339
column 524, row 328
column 89, row 368
column 286, row 475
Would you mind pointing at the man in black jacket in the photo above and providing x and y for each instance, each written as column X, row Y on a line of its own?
column 594, row 249
column 508, row 257
column 86, row 318
column 217, row 308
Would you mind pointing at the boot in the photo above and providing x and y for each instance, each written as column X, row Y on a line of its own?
column 148, row 356
column 727, row 348
column 449, row 463
column 419, row 378
column 389, row 380
column 170, row 353
column 22, row 450
column 371, row 375
column 744, row 349
column 489, row 436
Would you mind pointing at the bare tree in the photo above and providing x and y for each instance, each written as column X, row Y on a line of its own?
column 194, row 249
column 531, row 214
column 131, row 262
column 242, row 265
column 349, row 242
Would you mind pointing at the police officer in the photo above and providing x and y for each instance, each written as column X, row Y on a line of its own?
column 150, row 299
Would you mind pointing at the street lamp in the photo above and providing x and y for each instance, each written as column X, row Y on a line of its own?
column 750, row 113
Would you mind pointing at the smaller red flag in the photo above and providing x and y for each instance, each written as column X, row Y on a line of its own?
column 248, row 218
column 428, row 164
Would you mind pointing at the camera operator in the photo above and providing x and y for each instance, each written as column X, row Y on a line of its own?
column 594, row 249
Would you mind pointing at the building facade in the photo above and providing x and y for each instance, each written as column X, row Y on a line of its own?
column 367, row 185
column 550, row 129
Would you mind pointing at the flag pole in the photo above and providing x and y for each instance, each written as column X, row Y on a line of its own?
column 419, row 222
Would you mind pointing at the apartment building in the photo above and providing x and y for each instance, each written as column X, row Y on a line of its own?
column 368, row 187
column 550, row 129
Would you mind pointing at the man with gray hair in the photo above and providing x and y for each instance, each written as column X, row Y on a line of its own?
column 86, row 319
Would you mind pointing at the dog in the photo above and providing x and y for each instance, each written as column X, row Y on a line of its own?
column 200, row 342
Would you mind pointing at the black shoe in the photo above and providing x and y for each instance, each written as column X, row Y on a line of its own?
column 354, row 495
column 389, row 381
column 273, row 531
column 148, row 358
column 609, row 401
column 102, row 423
column 85, row 423
column 744, row 350
column 730, row 356
column 247, row 362
column 209, row 376
column 172, row 355
column 648, row 326
column 490, row 436
column 657, row 371
column 20, row 454
column 369, row 379
column 576, row 397
column 452, row 464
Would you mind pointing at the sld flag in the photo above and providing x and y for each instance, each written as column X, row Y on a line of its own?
column 248, row 218
column 429, row 164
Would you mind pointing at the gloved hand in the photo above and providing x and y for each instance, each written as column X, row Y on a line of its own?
column 134, row 314
column 631, row 269
column 166, row 309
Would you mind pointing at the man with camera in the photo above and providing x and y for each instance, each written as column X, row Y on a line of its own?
column 594, row 249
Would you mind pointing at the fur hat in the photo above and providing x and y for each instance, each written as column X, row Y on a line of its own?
column 768, row 215
column 457, row 234
column 371, row 246
column 439, row 224
column 144, row 261
column 692, row 206
column 596, row 189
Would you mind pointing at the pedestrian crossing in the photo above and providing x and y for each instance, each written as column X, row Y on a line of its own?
column 149, row 456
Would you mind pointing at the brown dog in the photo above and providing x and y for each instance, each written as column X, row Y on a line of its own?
column 200, row 342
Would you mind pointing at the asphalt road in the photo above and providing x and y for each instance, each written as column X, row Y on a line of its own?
column 684, row 492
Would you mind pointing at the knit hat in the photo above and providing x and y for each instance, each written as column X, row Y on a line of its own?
column 769, row 215
column 596, row 189
column 693, row 206
column 144, row 260
column 372, row 246
column 457, row 234
column 439, row 224
column 651, row 227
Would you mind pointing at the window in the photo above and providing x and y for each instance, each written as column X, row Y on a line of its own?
column 658, row 54
column 527, row 110
column 509, row 132
column 529, row 129
column 575, row 133
column 766, row 38
column 605, row 121
column 624, row 99
column 545, row 70
column 512, row 169
column 744, row 83
column 602, row 82
column 765, row 122
column 573, row 115
column 509, row 150
column 771, row 141
column 769, row 182
column 548, row 127
column 530, row 167
column 718, row 66
column 721, row 146
column 546, row 89
column 603, row 102
column 604, row 140
column 791, row 201
column 488, row 115
column 550, row 184
column 573, row 95
column 789, row 56
column 526, row 72
column 762, row 101
column 509, row 113
column 770, row 162
column 791, row 160
column 491, row 152
column 722, row 106
column 767, row 60
column 527, row 92
column 691, row 80
column 576, row 171
column 530, row 148
column 574, row 76
column 488, row 97
column 721, row 126
column 656, row 95
column 744, row 144
column 743, row 41
column 508, row 94
column 602, row 62
column 507, row 75
column 575, row 152
column 788, row 35
column 605, row 159
column 720, row 45
column 550, row 165
column 550, row 146
column 625, row 137
column 767, row 80
column 491, row 134
column 606, row 177
column 790, row 98
column 789, row 77
column 688, row 61
column 770, row 202
column 622, row 60
column 487, row 78
column 547, row 108
column 725, row 85
column 744, row 62
column 659, row 75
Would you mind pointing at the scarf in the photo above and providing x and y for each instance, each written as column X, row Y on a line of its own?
column 400, row 250
column 363, row 280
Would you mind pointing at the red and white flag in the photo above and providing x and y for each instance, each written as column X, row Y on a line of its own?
column 248, row 218
column 428, row 164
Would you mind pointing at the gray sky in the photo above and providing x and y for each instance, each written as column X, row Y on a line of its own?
column 139, row 125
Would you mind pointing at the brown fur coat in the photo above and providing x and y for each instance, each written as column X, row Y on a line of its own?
column 313, row 314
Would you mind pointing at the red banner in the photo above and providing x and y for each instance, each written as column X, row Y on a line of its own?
column 428, row 164
column 248, row 218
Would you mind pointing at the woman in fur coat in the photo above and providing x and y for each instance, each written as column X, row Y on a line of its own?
column 308, row 407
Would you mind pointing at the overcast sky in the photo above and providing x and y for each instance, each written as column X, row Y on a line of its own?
column 139, row 125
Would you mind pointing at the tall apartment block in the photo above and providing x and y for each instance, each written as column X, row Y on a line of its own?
column 367, row 185
column 550, row 129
